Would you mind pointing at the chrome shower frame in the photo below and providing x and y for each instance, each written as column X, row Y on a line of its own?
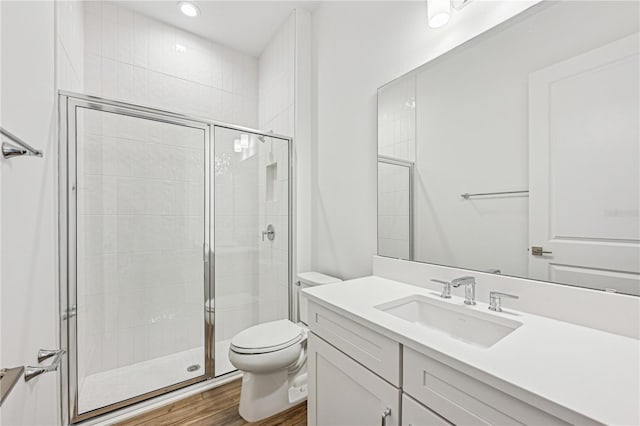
column 68, row 103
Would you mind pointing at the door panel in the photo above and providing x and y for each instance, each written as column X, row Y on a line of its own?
column 251, row 234
column 585, row 205
column 139, row 212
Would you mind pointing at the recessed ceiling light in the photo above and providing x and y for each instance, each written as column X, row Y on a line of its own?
column 189, row 9
column 438, row 12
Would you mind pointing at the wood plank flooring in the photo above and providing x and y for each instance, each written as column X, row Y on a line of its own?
column 217, row 406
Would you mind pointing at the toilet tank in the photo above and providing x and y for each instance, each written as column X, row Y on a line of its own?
column 310, row 279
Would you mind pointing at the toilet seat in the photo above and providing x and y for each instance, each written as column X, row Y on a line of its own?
column 267, row 337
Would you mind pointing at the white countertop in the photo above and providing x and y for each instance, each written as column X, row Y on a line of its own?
column 591, row 372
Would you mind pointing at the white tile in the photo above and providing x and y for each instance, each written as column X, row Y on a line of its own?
column 93, row 33
column 109, row 38
column 125, row 43
column 109, row 78
column 140, row 85
column 126, row 88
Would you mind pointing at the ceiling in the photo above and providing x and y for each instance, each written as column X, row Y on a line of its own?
column 246, row 26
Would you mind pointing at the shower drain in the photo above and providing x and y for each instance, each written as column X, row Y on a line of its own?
column 192, row 368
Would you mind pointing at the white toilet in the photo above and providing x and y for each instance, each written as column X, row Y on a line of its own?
column 273, row 358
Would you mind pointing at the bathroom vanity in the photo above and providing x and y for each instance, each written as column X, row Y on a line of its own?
column 390, row 353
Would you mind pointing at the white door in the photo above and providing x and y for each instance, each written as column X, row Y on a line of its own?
column 584, row 169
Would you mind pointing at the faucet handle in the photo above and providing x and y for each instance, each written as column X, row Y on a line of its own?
column 446, row 288
column 495, row 300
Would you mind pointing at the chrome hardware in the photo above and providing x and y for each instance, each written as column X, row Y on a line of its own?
column 385, row 414
column 10, row 150
column 495, row 300
column 446, row 288
column 466, row 195
column 70, row 312
column 270, row 233
column 33, row 372
column 469, row 284
column 539, row 251
column 44, row 354
column 205, row 253
column 8, row 378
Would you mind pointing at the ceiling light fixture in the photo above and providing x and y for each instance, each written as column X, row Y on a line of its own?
column 438, row 12
column 189, row 9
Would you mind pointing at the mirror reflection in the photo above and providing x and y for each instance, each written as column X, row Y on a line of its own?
column 518, row 152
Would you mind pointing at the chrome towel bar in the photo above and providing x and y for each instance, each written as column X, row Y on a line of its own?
column 466, row 196
column 33, row 372
column 10, row 150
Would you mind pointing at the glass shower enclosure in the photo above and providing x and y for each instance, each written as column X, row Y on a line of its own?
column 175, row 235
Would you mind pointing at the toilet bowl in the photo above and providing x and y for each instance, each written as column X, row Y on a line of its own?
column 273, row 358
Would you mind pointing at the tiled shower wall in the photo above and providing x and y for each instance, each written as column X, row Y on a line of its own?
column 140, row 227
column 276, row 113
column 70, row 45
column 136, row 59
column 396, row 139
column 276, row 81
column 236, row 237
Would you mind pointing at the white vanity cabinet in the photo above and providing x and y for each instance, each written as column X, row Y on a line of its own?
column 416, row 414
column 343, row 392
column 356, row 375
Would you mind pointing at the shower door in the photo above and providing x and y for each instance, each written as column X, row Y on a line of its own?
column 252, row 228
column 175, row 234
column 137, row 189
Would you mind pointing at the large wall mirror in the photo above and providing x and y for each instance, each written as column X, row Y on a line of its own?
column 518, row 152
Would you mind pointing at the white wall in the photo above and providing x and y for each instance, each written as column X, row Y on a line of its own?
column 135, row 58
column 29, row 312
column 358, row 47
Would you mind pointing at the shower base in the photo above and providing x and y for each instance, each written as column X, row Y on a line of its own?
column 112, row 386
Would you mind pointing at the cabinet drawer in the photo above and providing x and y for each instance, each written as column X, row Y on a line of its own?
column 376, row 352
column 414, row 414
column 343, row 392
column 462, row 399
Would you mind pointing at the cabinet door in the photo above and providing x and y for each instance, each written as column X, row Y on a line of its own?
column 343, row 392
column 415, row 414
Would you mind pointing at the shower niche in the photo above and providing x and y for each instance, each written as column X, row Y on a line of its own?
column 163, row 256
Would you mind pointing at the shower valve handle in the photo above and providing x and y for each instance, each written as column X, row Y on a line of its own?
column 270, row 233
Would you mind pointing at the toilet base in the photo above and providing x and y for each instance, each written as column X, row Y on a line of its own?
column 263, row 395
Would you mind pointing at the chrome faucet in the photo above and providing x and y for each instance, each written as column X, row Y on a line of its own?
column 495, row 300
column 446, row 288
column 469, row 284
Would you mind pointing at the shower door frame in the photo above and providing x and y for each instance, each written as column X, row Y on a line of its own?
column 68, row 103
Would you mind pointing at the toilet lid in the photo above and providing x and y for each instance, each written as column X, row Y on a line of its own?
column 267, row 337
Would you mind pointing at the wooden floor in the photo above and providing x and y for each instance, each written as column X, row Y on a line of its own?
column 218, row 406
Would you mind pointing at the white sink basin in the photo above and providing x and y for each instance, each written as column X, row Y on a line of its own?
column 459, row 322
